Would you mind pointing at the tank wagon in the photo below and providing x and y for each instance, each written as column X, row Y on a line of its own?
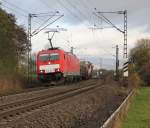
column 56, row 64
column 86, row 69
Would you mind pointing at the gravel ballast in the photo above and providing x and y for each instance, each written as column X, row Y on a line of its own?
column 86, row 110
column 31, row 94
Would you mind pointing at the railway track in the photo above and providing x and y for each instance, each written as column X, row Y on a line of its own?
column 5, row 99
column 40, row 87
column 14, row 109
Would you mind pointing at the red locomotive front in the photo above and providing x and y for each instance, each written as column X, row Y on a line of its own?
column 55, row 64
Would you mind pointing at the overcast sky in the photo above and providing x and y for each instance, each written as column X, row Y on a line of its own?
column 94, row 45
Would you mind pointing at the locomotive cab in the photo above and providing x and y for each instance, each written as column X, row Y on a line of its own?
column 49, row 62
column 49, row 65
column 55, row 64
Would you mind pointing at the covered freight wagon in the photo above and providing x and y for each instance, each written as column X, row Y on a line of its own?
column 86, row 69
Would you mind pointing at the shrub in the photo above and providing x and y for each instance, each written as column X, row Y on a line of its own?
column 134, row 80
column 145, row 73
column 10, row 83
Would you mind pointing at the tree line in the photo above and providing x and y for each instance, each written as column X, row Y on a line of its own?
column 13, row 49
column 140, row 60
column 13, row 43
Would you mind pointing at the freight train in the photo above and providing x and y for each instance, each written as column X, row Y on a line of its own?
column 55, row 64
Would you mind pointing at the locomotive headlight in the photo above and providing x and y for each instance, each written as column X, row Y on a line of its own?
column 57, row 70
column 42, row 71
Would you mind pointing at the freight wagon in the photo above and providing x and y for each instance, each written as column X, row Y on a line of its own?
column 86, row 69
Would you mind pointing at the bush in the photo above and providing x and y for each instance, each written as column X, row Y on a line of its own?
column 10, row 83
column 145, row 73
column 134, row 80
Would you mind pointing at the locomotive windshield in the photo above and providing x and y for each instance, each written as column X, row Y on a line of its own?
column 47, row 57
column 54, row 56
column 44, row 57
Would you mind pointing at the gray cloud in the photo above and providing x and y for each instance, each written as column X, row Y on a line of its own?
column 79, row 12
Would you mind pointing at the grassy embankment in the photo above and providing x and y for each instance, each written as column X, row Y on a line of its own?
column 139, row 112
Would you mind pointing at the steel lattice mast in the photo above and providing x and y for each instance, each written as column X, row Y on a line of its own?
column 124, row 31
column 35, row 32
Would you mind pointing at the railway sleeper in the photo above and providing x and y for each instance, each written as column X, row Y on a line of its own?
column 46, row 102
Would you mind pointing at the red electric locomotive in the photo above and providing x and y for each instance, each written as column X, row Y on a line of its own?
column 55, row 64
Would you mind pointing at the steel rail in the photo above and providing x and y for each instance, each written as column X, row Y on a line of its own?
column 38, row 97
column 41, row 87
column 43, row 101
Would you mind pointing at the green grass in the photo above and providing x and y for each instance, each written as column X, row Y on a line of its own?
column 138, row 115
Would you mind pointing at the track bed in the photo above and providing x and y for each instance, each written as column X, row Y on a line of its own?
column 79, row 109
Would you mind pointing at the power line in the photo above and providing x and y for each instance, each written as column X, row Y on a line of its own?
column 44, row 23
column 47, row 13
column 26, row 11
column 87, row 11
column 75, row 7
column 30, row 16
column 101, row 18
column 85, row 5
column 46, row 4
column 124, row 31
column 109, row 22
column 47, row 25
column 88, row 6
column 108, row 52
column 13, row 10
column 16, row 10
column 71, row 13
column 88, row 1
column 23, row 10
